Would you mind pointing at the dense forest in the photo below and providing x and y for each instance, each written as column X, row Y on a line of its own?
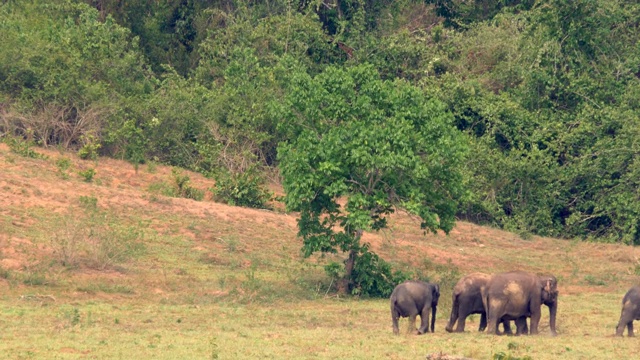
column 523, row 115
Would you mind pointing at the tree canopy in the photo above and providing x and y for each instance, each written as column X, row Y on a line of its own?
column 376, row 100
column 375, row 145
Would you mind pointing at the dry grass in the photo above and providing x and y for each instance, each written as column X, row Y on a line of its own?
column 222, row 282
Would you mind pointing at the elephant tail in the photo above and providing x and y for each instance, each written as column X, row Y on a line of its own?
column 485, row 301
column 435, row 293
column 433, row 318
column 395, row 309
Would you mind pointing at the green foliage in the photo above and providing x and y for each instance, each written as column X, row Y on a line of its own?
column 267, row 39
column 372, row 276
column 183, row 187
column 106, row 288
column 66, row 72
column 546, row 92
column 376, row 144
column 63, row 164
column 23, row 147
column 89, row 151
column 591, row 280
column 244, row 189
column 172, row 125
column 162, row 188
column 89, row 203
column 88, row 174
column 508, row 356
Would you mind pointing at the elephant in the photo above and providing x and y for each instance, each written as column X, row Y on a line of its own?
column 630, row 311
column 517, row 295
column 550, row 301
column 467, row 300
column 413, row 298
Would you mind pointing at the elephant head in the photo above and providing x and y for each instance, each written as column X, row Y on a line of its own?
column 549, row 285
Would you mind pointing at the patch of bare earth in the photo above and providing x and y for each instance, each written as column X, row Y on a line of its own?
column 36, row 183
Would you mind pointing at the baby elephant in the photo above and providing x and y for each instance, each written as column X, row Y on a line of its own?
column 630, row 310
column 413, row 298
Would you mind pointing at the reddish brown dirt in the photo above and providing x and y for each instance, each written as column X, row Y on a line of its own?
column 35, row 184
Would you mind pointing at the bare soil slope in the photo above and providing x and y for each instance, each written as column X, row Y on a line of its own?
column 33, row 191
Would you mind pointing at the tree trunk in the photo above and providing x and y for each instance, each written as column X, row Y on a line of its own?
column 344, row 285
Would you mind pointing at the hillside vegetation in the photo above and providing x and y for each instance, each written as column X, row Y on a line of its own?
column 120, row 266
column 251, row 178
column 545, row 92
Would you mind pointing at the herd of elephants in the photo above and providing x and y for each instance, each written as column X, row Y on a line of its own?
column 499, row 298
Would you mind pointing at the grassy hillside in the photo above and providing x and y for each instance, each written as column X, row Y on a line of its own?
column 117, row 267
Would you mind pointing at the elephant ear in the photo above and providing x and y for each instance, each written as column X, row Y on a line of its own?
column 547, row 286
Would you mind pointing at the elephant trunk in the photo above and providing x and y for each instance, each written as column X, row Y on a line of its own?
column 553, row 309
column 454, row 314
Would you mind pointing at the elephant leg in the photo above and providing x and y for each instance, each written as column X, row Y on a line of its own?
column 506, row 325
column 412, row 324
column 464, row 311
column 462, row 319
column 483, row 321
column 424, row 321
column 535, row 320
column 394, row 320
column 630, row 328
column 492, row 322
column 521, row 326
column 461, row 322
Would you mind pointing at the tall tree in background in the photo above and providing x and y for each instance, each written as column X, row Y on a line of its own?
column 360, row 148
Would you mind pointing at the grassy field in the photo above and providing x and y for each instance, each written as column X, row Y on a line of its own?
column 115, row 267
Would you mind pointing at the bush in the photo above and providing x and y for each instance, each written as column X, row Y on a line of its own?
column 372, row 276
column 89, row 151
column 94, row 238
column 244, row 189
column 184, row 189
column 66, row 73
column 63, row 164
column 88, row 174
column 23, row 147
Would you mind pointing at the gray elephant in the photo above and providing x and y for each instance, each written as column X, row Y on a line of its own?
column 517, row 295
column 413, row 298
column 467, row 300
column 550, row 301
column 630, row 311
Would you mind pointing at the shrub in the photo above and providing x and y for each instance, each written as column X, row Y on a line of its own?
column 23, row 147
column 243, row 189
column 184, row 189
column 87, row 174
column 89, row 151
column 372, row 276
column 63, row 164
column 94, row 238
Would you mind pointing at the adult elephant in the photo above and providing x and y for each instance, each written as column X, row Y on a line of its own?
column 630, row 311
column 467, row 300
column 413, row 298
column 517, row 295
column 550, row 301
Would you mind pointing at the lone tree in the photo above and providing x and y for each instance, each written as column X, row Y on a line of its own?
column 373, row 146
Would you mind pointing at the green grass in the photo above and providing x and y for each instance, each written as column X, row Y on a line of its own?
column 321, row 329
column 218, row 282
